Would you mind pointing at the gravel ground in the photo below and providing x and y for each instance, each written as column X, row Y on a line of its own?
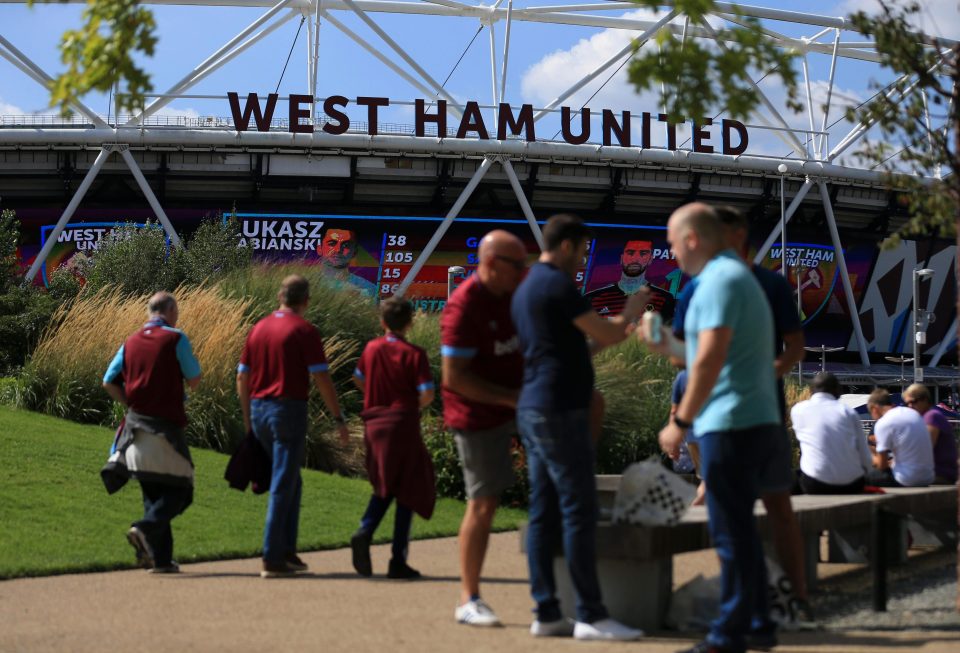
column 922, row 595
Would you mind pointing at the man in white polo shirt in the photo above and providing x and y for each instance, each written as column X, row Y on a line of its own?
column 901, row 433
column 834, row 456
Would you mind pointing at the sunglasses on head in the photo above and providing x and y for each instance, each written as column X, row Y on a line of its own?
column 518, row 264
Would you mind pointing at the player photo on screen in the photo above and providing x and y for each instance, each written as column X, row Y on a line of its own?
column 635, row 259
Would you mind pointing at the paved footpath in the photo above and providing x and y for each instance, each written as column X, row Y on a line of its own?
column 225, row 606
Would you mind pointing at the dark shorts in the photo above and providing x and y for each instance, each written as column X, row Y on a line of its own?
column 486, row 459
column 778, row 476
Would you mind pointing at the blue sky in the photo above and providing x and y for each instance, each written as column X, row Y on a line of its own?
column 544, row 59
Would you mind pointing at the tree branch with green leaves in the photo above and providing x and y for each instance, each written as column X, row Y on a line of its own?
column 100, row 54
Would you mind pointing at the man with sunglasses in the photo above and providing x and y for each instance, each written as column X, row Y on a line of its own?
column 917, row 397
column 482, row 372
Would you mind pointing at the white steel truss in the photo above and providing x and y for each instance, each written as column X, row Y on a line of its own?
column 810, row 156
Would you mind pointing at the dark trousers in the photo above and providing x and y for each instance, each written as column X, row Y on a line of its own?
column 161, row 503
column 882, row 478
column 563, row 508
column 810, row 485
column 731, row 465
column 376, row 509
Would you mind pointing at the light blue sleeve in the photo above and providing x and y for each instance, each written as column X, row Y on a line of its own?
column 116, row 367
column 189, row 364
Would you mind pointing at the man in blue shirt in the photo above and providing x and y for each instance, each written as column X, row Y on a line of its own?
column 788, row 343
column 553, row 321
column 731, row 405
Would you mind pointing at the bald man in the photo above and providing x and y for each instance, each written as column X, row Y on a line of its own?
column 147, row 376
column 731, row 404
column 482, row 373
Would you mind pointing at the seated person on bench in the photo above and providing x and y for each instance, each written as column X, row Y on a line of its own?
column 944, row 442
column 834, row 455
column 901, row 433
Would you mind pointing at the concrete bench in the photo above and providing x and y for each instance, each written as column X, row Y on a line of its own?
column 635, row 563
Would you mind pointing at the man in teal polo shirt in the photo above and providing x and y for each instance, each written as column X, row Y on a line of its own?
column 731, row 404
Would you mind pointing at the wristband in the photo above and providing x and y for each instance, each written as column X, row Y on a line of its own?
column 682, row 424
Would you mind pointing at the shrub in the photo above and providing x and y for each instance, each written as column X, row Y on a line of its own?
column 425, row 332
column 25, row 312
column 134, row 260
column 139, row 261
column 636, row 387
column 9, row 241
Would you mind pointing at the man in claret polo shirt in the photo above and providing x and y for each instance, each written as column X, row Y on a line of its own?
column 482, row 373
column 282, row 353
column 147, row 376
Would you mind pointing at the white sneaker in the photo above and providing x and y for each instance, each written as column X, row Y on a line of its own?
column 562, row 627
column 606, row 629
column 476, row 613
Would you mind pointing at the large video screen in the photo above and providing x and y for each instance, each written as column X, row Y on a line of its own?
column 376, row 253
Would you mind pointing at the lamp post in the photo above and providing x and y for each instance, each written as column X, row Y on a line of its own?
column 902, row 360
column 455, row 274
column 823, row 349
column 782, row 169
column 919, row 334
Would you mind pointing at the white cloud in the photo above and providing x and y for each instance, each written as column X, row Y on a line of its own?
column 559, row 70
column 7, row 109
column 937, row 17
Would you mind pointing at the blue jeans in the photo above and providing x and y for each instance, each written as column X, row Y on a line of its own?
column 732, row 464
column 281, row 427
column 376, row 509
column 161, row 503
column 563, row 507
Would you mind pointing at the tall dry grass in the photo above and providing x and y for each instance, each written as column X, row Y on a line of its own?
column 64, row 375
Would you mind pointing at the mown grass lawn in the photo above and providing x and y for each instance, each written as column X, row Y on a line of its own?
column 56, row 517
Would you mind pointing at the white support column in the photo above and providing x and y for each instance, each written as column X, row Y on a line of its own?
column 794, row 205
column 148, row 193
column 315, row 45
column 806, row 82
column 228, row 51
column 862, row 128
column 522, row 198
column 844, row 275
column 37, row 74
column 68, row 212
column 453, row 107
column 400, row 51
column 311, row 79
column 494, row 86
column 442, row 229
column 823, row 137
column 945, row 344
column 506, row 51
column 639, row 41
column 795, row 142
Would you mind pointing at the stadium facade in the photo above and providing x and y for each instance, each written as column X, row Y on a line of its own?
column 390, row 205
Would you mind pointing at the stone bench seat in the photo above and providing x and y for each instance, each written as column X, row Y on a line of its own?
column 635, row 562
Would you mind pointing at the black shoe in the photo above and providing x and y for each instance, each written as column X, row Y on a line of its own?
column 761, row 642
column 294, row 562
column 360, row 546
column 707, row 647
column 399, row 569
